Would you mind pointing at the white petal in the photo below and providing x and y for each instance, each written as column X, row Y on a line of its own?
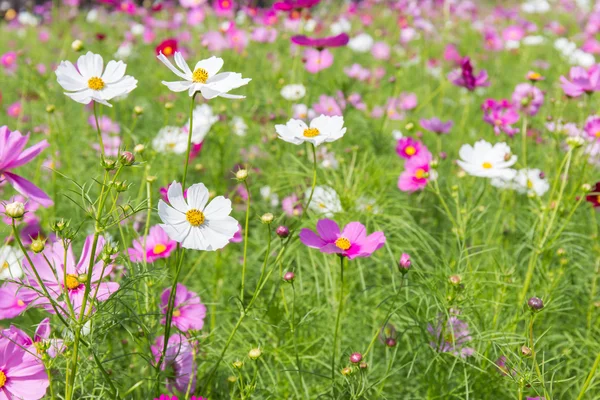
column 175, row 197
column 83, row 97
column 211, row 65
column 219, row 208
column 115, row 70
column 180, row 61
column 171, row 216
column 178, row 86
column 197, row 196
column 166, row 61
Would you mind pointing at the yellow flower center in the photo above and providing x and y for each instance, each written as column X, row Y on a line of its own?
column 195, row 217
column 486, row 165
column 2, row 379
column 5, row 265
column 96, row 83
column 322, row 205
column 200, row 75
column 159, row 248
column 534, row 76
column 529, row 184
column 342, row 243
column 71, row 282
column 177, row 313
column 410, row 151
column 598, row 198
column 225, row 4
column 597, row 133
column 167, row 51
column 311, row 132
column 20, row 303
column 420, row 173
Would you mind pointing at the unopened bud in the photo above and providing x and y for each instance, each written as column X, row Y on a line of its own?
column 138, row 110
column 404, row 264
column 139, row 148
column 14, row 210
column 355, row 358
column 346, row 371
column 254, row 354
column 37, row 245
column 282, row 231
column 535, row 303
column 127, row 158
column 77, row 45
column 266, row 218
column 455, row 279
column 169, row 105
column 237, row 364
column 50, row 108
column 390, row 342
column 525, row 351
column 289, row 277
column 241, row 175
column 82, row 278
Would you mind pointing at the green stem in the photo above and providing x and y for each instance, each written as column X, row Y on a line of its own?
column 99, row 132
column 314, row 182
column 524, row 140
column 245, row 260
column 189, row 143
column 337, row 324
column 590, row 376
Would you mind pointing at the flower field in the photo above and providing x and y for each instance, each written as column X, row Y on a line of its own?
column 299, row 199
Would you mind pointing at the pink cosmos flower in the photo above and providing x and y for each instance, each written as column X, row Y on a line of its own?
column 455, row 338
column 513, row 33
column 356, row 101
column 465, row 77
column 408, row 147
column 107, row 125
column 53, row 277
column 42, row 341
column 179, row 358
column 528, row 98
column 237, row 237
column 492, row 41
column 158, row 245
column 381, row 51
column 317, row 60
column 14, row 300
column 224, row 8
column 188, row 312
column 214, row 41
column 581, row 81
column 292, row 206
column 358, row 72
column 592, row 128
column 112, row 145
column 417, row 172
column 320, row 43
column 328, row 105
column 22, row 373
column 15, row 110
column 9, row 62
column 263, row 34
column 290, row 5
column 501, row 114
column 351, row 242
column 451, row 54
column 436, row 125
column 13, row 155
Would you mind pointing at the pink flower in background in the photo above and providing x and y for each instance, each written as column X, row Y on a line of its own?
column 513, row 33
column 528, row 98
column 317, row 60
column 9, row 62
column 592, row 128
column 224, row 8
column 436, row 125
column 13, row 155
column 328, row 105
column 408, row 147
column 381, row 50
column 501, row 114
column 188, row 311
column 263, row 34
column 107, row 125
column 14, row 110
column 214, row 41
column 455, row 337
column 112, row 145
column 42, row 340
column 53, row 275
column 195, row 16
column 292, row 206
column 417, row 172
column 24, row 374
column 355, row 99
column 581, row 81
column 451, row 54
column 237, row 237
column 351, row 242
column 179, row 359
column 357, row 71
column 158, row 245
column 238, row 39
column 291, row 5
column 465, row 77
column 321, row 43
column 14, row 300
column 407, row 101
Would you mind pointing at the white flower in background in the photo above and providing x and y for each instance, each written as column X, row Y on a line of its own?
column 89, row 83
column 27, row 18
column 325, row 201
column 486, row 160
column 531, row 181
column 512, row 44
column 194, row 222
column 269, row 195
column 240, row 17
column 572, row 54
column 205, row 78
column 340, row 26
column 327, row 158
column 310, row 25
column 293, row 92
column 533, row 40
column 204, row 119
column 239, row 126
column 361, row 43
column 322, row 129
column 368, row 205
column 535, row 6
column 170, row 139
column 397, row 135
column 10, row 262
column 138, row 29
column 124, row 51
column 301, row 111
column 92, row 16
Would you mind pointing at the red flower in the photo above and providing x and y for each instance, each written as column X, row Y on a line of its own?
column 167, row 47
column 594, row 196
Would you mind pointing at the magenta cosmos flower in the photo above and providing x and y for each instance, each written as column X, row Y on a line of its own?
column 53, row 277
column 352, row 242
column 417, row 172
column 436, row 125
column 22, row 374
column 501, row 114
column 528, row 98
column 179, row 359
column 188, row 311
column 14, row 299
column 291, row 5
column 408, row 147
column 158, row 245
column 581, row 81
column 592, row 128
column 321, row 43
column 13, row 155
column 451, row 337
column 465, row 77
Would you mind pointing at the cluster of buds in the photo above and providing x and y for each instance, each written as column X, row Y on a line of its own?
column 108, row 253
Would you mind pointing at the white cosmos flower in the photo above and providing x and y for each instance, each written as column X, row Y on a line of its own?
column 322, row 129
column 171, row 139
column 325, row 201
column 192, row 222
column 205, row 78
column 531, row 181
column 361, row 43
column 486, row 160
column 204, row 119
column 293, row 92
column 88, row 82
column 239, row 126
column 10, row 263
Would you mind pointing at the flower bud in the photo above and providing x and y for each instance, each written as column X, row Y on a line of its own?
column 238, row 364
column 169, row 105
column 14, row 210
column 363, row 365
column 266, row 218
column 355, row 358
column 121, row 186
column 404, row 264
column 535, row 303
column 139, row 148
column 254, row 354
column 282, row 231
column 82, row 278
column 391, row 342
column 127, row 158
column 346, row 371
column 37, row 245
column 108, row 164
column 50, row 108
column 289, row 277
column 575, row 141
column 455, row 279
column 59, row 226
column 241, row 175
column 138, row 110
column 586, row 187
column 525, row 351
column 77, row 45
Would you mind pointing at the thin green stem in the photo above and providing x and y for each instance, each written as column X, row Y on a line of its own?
column 99, row 131
column 189, row 143
column 314, row 181
column 245, row 259
column 589, row 378
column 337, row 324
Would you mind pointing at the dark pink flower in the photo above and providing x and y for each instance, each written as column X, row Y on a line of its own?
column 321, row 43
column 352, row 242
column 188, row 311
column 179, row 360
column 417, row 172
column 581, row 81
column 465, row 77
column 290, row 5
column 408, row 147
column 501, row 114
column 592, row 128
column 157, row 245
